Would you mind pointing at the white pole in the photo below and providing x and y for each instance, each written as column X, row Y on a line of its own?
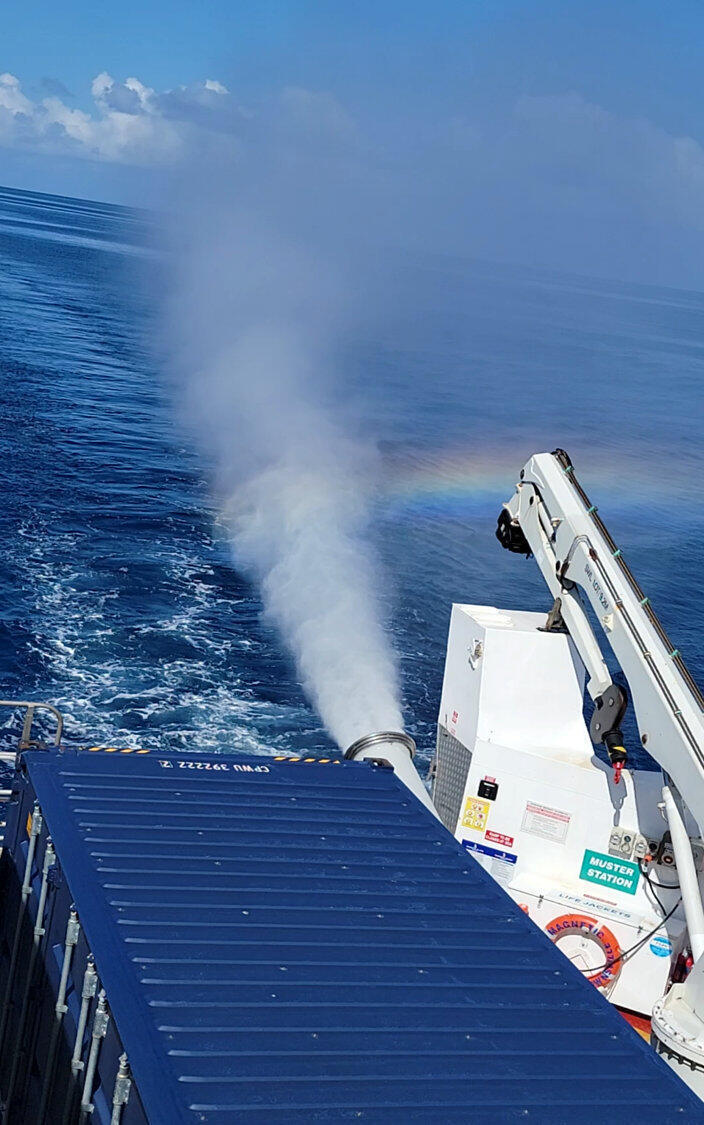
column 686, row 871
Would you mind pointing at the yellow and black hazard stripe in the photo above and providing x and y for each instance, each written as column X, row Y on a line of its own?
column 303, row 761
column 114, row 750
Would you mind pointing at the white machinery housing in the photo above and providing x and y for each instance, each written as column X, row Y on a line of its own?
column 605, row 859
column 519, row 785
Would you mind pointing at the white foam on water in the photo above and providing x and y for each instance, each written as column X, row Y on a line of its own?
column 112, row 689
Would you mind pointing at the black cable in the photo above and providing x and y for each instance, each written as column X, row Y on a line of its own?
column 638, row 945
column 655, row 894
column 641, row 943
column 663, row 886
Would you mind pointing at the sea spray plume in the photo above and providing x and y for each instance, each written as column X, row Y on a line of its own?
column 298, row 527
column 255, row 316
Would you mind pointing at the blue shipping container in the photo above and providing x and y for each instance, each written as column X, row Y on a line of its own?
column 277, row 941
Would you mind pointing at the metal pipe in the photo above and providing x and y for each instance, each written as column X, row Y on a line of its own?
column 73, row 929
column 88, row 991
column 90, row 986
column 100, row 1027
column 398, row 749
column 49, row 861
column 121, row 1092
column 35, row 829
column 687, row 874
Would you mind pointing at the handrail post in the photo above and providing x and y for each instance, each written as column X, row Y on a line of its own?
column 26, row 741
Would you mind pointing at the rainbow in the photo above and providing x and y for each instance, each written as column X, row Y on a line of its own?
column 436, row 483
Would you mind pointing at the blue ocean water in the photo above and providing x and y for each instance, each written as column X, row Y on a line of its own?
column 119, row 600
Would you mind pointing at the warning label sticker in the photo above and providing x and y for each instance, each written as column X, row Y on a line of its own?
column 494, row 853
column 498, row 838
column 476, row 814
column 549, row 824
column 502, row 870
column 661, row 946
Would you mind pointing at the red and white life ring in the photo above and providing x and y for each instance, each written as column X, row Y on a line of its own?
column 591, row 927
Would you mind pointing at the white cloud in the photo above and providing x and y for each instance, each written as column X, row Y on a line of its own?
column 132, row 123
column 11, row 97
column 584, row 149
column 549, row 155
column 316, row 115
column 131, row 96
column 101, row 83
column 129, row 122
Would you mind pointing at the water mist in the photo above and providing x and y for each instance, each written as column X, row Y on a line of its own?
column 254, row 321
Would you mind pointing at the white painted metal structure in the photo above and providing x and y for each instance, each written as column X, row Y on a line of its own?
column 611, row 869
column 398, row 749
column 573, row 553
column 512, row 695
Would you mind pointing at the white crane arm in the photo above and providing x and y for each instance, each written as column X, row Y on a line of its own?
column 551, row 516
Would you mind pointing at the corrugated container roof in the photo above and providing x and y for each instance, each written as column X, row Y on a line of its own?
column 300, row 941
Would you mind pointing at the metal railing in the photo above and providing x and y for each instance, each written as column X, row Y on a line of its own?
column 26, row 740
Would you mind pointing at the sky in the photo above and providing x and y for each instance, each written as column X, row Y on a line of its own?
column 554, row 134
